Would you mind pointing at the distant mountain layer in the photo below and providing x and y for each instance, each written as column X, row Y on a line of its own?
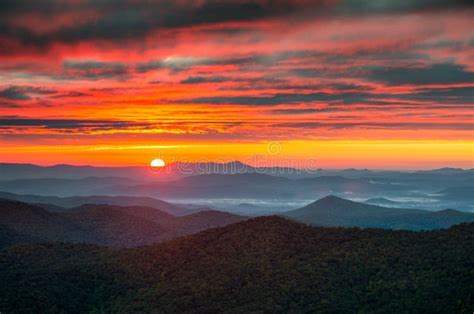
column 63, row 187
column 173, row 170
column 176, row 170
column 457, row 193
column 74, row 201
column 382, row 201
column 9, row 171
column 111, row 225
column 335, row 211
column 256, row 186
column 263, row 265
column 235, row 180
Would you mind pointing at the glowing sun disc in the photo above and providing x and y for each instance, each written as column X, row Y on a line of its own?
column 157, row 163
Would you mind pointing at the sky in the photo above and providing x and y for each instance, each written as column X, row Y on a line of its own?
column 327, row 83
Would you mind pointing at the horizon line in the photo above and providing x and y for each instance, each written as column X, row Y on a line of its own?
column 245, row 164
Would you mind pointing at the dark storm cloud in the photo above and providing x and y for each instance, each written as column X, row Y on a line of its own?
column 231, row 31
column 449, row 95
column 22, row 92
column 132, row 19
column 278, row 99
column 453, row 95
column 95, row 69
column 305, row 111
column 278, row 84
column 345, row 87
column 377, row 125
column 378, row 55
column 444, row 73
column 205, row 79
column 65, row 124
column 456, row 45
column 13, row 93
column 70, row 95
column 204, row 11
column 6, row 104
column 109, row 20
column 224, row 79
column 308, row 73
column 125, row 19
column 397, row 6
column 92, row 65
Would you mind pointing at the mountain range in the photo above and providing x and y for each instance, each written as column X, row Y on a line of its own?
column 188, row 182
column 111, row 225
column 176, row 170
column 59, row 204
column 267, row 264
column 63, row 187
column 255, row 185
column 335, row 211
column 135, row 225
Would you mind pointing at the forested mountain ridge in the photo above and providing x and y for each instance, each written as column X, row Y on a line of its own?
column 266, row 264
column 32, row 221
column 111, row 225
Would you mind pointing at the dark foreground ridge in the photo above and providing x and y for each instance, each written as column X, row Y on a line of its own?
column 267, row 264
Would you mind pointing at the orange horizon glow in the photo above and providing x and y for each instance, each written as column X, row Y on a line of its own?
column 295, row 154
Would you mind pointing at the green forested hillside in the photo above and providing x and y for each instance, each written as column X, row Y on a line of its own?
column 266, row 264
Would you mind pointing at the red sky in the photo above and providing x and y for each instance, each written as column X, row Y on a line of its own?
column 355, row 83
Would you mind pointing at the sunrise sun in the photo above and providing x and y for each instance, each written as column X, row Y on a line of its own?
column 157, row 163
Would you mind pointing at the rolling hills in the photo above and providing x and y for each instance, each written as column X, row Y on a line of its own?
column 62, row 187
column 32, row 221
column 74, row 201
column 111, row 225
column 131, row 226
column 335, row 211
column 266, row 264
